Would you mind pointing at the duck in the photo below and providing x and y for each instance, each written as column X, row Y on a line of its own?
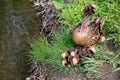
column 66, row 57
column 76, row 60
column 70, row 57
column 88, row 32
column 66, row 62
column 85, row 51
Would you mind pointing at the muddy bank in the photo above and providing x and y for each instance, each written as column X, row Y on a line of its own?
column 44, row 71
column 47, row 12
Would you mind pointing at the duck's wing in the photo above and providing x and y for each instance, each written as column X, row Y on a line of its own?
column 96, row 24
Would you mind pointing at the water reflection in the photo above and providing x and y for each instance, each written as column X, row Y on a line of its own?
column 16, row 32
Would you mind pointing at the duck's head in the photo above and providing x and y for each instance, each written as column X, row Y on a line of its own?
column 89, row 10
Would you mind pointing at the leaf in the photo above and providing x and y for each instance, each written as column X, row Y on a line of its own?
column 58, row 4
column 117, row 69
column 110, row 53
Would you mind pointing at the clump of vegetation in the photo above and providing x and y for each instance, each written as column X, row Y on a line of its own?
column 109, row 10
column 70, row 17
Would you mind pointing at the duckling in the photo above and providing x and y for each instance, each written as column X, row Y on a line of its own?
column 69, row 57
column 72, row 56
column 65, row 54
column 75, row 57
column 74, row 52
column 66, row 57
column 76, row 60
column 86, row 51
column 66, row 62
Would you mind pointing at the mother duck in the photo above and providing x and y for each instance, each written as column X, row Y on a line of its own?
column 88, row 32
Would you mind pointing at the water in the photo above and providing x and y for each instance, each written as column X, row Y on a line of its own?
column 17, row 30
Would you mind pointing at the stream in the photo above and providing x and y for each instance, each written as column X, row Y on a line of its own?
column 17, row 31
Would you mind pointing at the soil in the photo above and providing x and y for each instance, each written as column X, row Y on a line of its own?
column 106, row 74
column 44, row 71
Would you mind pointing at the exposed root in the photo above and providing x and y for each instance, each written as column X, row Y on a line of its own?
column 48, row 13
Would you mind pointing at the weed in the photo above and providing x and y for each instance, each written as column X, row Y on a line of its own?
column 109, row 10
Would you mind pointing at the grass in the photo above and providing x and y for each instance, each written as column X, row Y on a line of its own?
column 70, row 17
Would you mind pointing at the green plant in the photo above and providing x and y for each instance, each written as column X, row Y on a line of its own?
column 109, row 10
column 51, row 53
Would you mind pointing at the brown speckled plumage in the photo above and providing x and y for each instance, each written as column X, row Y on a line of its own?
column 88, row 31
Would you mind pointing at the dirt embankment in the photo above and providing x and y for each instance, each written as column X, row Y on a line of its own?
column 48, row 14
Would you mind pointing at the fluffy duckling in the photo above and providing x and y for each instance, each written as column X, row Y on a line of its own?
column 74, row 52
column 86, row 51
column 69, row 56
column 66, row 57
column 69, row 52
column 75, row 57
column 76, row 60
column 66, row 62
column 72, row 56
column 65, row 54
